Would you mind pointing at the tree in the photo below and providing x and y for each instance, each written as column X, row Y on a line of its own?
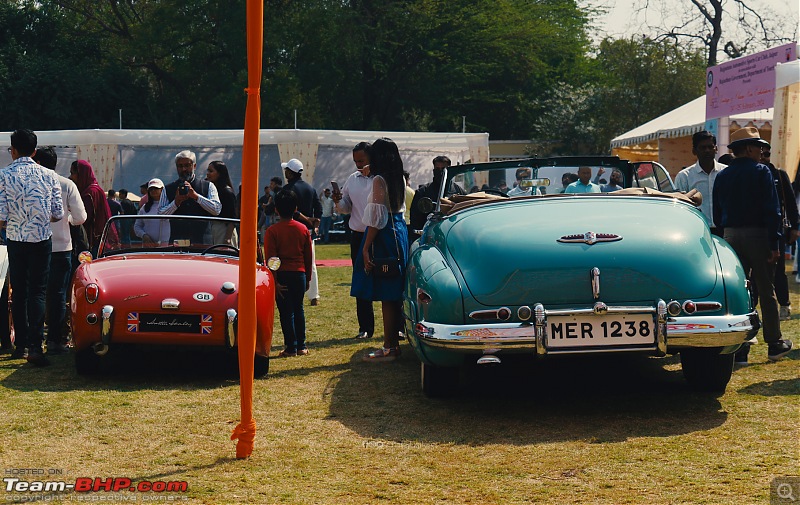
column 53, row 77
column 747, row 27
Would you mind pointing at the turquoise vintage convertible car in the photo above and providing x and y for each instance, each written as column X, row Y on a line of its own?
column 547, row 273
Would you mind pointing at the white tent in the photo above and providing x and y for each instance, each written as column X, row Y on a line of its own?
column 664, row 139
column 129, row 158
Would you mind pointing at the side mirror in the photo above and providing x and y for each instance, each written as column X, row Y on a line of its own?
column 274, row 263
column 425, row 205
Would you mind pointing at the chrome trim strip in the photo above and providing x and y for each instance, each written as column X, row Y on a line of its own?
column 107, row 318
column 230, row 328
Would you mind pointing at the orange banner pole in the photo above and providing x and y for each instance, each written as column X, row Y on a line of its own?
column 245, row 432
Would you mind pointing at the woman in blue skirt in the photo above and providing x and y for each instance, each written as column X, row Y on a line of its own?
column 385, row 237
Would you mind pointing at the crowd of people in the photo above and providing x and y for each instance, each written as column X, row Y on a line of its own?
column 49, row 219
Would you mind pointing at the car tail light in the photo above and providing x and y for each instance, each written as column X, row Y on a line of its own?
column 689, row 307
column 524, row 313
column 92, row 292
column 423, row 297
column 707, row 306
column 85, row 257
column 503, row 314
column 674, row 308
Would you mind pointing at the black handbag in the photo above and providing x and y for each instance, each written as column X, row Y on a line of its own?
column 388, row 266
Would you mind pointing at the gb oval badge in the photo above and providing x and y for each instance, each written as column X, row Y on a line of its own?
column 203, row 297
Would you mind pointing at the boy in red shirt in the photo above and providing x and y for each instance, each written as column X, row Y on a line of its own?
column 290, row 241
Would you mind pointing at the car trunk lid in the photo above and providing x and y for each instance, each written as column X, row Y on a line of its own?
column 534, row 251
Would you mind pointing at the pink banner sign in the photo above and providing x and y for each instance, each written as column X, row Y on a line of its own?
column 745, row 84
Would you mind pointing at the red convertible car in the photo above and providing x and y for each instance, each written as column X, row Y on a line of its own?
column 177, row 287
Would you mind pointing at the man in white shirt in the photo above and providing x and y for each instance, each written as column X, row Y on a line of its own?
column 61, row 257
column 353, row 200
column 702, row 174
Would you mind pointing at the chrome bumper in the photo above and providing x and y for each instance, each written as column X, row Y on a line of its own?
column 710, row 331
column 671, row 333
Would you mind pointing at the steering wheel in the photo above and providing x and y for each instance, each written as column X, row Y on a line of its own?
column 218, row 246
column 493, row 191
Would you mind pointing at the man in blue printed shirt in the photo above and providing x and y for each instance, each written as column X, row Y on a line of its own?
column 30, row 199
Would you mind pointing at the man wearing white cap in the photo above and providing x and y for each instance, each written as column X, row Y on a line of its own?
column 309, row 211
column 746, row 206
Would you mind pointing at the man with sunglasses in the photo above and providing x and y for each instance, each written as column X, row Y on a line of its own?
column 746, row 206
column 790, row 221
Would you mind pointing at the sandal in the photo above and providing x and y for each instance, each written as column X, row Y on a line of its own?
column 287, row 354
column 383, row 354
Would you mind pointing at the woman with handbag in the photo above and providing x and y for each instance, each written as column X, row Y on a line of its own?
column 94, row 199
column 380, row 267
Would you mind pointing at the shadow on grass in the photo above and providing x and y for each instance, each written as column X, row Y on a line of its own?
column 129, row 369
column 597, row 400
column 784, row 387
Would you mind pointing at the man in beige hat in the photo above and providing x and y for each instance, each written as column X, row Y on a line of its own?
column 746, row 206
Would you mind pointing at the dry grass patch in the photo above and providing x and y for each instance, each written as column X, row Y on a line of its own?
column 332, row 429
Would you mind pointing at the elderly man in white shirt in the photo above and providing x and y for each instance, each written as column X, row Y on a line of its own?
column 702, row 174
column 61, row 257
column 353, row 200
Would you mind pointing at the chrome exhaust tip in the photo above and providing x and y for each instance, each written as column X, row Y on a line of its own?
column 100, row 348
column 489, row 360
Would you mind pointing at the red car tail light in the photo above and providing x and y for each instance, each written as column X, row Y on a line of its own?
column 92, row 292
column 423, row 297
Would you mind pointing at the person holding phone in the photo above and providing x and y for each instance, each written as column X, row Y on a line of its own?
column 326, row 220
column 189, row 196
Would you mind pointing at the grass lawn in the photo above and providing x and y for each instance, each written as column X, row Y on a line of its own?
column 332, row 429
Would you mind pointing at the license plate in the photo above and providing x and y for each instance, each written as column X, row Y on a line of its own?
column 169, row 323
column 615, row 330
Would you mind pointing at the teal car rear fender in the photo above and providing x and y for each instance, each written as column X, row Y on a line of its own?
column 432, row 294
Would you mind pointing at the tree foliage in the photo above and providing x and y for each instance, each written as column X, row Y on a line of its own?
column 631, row 82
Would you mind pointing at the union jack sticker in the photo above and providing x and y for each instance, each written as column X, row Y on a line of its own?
column 133, row 322
column 205, row 324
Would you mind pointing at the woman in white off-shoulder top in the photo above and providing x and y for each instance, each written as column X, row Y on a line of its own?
column 385, row 237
